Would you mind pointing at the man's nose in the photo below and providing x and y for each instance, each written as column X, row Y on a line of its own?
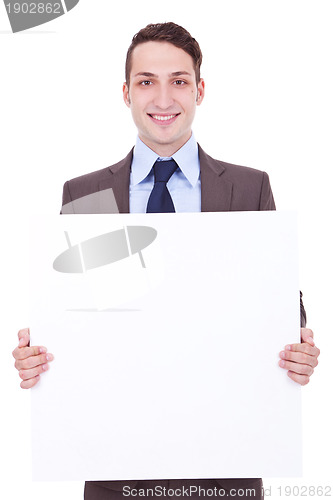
column 163, row 98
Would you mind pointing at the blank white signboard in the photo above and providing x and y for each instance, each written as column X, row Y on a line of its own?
column 166, row 356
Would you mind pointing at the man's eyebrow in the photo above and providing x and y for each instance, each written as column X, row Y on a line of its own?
column 180, row 73
column 147, row 74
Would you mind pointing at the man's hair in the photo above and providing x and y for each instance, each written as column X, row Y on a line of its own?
column 166, row 32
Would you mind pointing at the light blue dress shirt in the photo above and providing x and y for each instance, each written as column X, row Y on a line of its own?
column 184, row 186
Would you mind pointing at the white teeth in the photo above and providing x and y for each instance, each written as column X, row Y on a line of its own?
column 163, row 118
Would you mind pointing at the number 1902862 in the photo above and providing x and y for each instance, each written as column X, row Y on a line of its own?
column 305, row 491
column 34, row 8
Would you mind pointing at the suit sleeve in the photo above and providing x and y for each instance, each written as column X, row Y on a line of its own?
column 266, row 195
column 66, row 196
column 303, row 313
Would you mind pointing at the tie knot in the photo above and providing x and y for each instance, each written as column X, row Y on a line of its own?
column 163, row 170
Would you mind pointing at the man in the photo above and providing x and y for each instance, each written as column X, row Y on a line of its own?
column 163, row 88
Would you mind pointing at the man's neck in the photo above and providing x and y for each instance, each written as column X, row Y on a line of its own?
column 165, row 150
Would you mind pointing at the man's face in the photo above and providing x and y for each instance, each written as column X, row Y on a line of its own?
column 163, row 95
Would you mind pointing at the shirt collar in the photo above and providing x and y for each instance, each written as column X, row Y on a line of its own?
column 187, row 158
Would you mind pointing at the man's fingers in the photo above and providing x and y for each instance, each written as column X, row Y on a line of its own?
column 33, row 372
column 26, row 352
column 23, row 332
column 304, row 347
column 299, row 368
column 309, row 340
column 27, row 384
column 24, row 341
column 300, row 379
column 299, row 357
column 24, row 337
column 32, row 361
column 307, row 336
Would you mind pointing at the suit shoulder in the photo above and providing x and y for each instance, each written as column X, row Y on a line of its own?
column 233, row 169
column 232, row 172
column 230, row 169
column 86, row 184
column 90, row 179
column 83, row 185
column 246, row 178
column 249, row 186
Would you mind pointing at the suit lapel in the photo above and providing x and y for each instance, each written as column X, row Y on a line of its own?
column 216, row 191
column 118, row 180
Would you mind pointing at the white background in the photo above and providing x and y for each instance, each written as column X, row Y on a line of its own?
column 268, row 105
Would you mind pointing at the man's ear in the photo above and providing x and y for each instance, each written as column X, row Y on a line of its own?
column 200, row 92
column 126, row 96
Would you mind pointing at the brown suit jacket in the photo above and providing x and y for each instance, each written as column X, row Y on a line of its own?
column 224, row 187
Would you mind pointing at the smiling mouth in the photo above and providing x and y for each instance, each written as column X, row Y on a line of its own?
column 165, row 119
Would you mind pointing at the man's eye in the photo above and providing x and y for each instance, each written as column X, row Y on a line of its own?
column 146, row 83
column 179, row 82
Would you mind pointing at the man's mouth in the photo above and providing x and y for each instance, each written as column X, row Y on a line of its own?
column 164, row 119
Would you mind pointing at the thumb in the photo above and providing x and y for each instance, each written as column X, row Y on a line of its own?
column 307, row 336
column 24, row 337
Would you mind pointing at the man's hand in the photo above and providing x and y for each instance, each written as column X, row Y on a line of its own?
column 30, row 361
column 300, row 359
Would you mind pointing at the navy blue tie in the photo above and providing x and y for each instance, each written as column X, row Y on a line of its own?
column 160, row 200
